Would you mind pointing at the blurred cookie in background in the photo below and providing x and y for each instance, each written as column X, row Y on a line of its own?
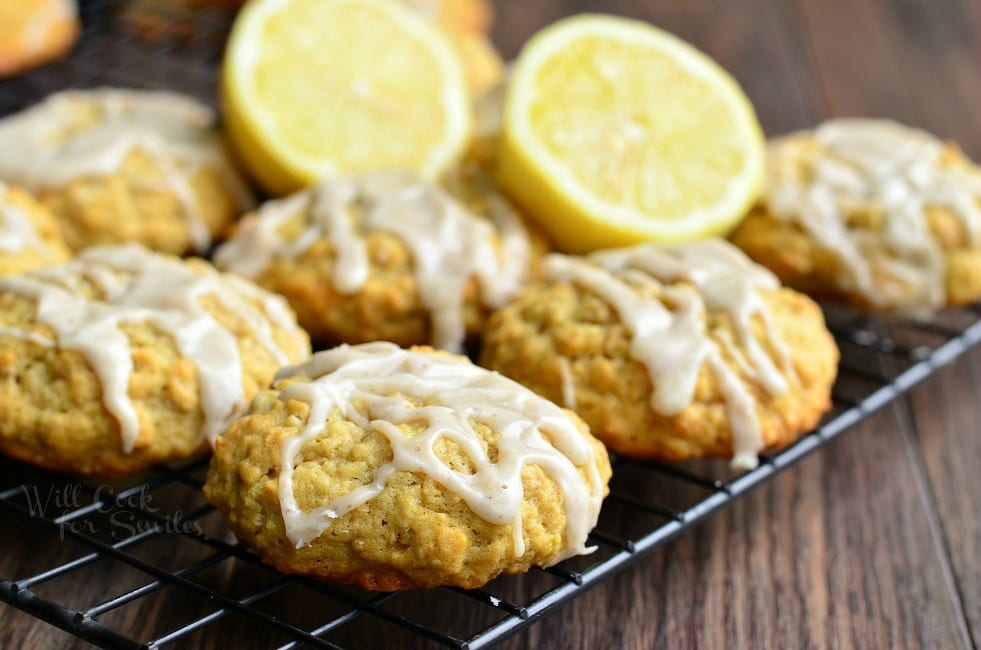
column 118, row 165
column 869, row 212
column 35, row 32
column 467, row 24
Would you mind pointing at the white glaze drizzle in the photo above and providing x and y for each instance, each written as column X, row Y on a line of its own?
column 49, row 147
column 134, row 286
column 449, row 244
column 878, row 165
column 379, row 377
column 17, row 230
column 675, row 342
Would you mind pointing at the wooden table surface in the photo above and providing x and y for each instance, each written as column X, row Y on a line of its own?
column 874, row 541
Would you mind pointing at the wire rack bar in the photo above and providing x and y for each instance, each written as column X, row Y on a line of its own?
column 63, row 618
column 344, row 619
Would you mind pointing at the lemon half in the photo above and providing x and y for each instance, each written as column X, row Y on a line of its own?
column 617, row 132
column 312, row 88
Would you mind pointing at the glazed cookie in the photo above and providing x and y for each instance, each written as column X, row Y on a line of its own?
column 384, row 256
column 126, row 165
column 399, row 469
column 670, row 352
column 872, row 213
column 35, row 32
column 125, row 358
column 29, row 237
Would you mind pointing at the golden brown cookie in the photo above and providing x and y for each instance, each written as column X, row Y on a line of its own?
column 117, row 166
column 670, row 352
column 35, row 32
column 872, row 213
column 386, row 256
column 125, row 358
column 399, row 469
column 29, row 236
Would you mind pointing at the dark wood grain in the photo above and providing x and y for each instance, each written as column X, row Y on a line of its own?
column 946, row 432
column 873, row 542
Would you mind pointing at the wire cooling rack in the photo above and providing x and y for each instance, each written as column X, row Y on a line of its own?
column 149, row 562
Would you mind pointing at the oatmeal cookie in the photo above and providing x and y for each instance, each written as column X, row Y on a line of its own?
column 125, row 358
column 872, row 213
column 671, row 352
column 386, row 256
column 399, row 469
column 118, row 166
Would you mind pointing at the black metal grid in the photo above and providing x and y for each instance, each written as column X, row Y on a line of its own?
column 152, row 566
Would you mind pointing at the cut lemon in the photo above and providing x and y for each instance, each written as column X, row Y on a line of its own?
column 312, row 88
column 617, row 132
